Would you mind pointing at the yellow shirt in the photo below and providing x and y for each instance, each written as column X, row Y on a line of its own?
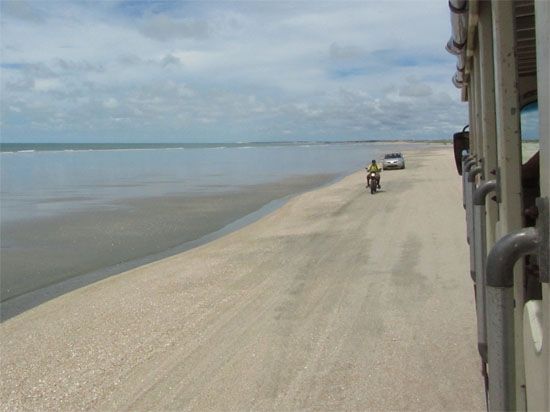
column 373, row 167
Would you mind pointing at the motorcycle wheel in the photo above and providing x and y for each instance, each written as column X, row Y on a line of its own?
column 372, row 184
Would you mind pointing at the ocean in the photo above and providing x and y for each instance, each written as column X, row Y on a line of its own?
column 72, row 214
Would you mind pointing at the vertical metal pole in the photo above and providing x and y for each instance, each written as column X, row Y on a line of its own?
column 479, row 233
column 509, row 161
column 475, row 129
column 473, row 223
column 479, row 201
column 471, row 119
column 478, row 106
column 500, row 338
column 542, row 9
column 507, row 115
column 469, row 188
column 466, row 164
column 470, row 226
column 500, row 314
column 488, row 118
column 464, row 161
column 542, row 24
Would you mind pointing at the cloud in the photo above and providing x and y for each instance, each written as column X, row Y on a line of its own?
column 162, row 28
column 47, row 85
column 110, row 103
column 22, row 10
column 415, row 88
column 77, row 66
column 170, row 59
column 229, row 71
column 337, row 52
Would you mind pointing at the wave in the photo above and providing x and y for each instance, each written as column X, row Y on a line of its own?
column 90, row 147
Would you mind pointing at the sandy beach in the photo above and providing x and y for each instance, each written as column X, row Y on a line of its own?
column 339, row 300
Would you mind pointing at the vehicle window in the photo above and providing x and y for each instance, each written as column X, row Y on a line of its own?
column 529, row 130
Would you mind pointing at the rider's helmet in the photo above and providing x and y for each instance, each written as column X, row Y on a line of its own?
column 373, row 161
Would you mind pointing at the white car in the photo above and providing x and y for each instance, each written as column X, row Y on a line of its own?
column 393, row 161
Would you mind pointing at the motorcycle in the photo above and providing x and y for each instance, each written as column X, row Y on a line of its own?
column 372, row 182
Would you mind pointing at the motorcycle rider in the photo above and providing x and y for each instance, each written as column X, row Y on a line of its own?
column 373, row 167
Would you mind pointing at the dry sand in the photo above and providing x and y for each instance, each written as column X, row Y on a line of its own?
column 339, row 300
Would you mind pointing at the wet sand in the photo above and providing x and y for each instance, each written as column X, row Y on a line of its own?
column 84, row 246
column 339, row 300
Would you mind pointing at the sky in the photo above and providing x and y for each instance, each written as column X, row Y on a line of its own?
column 192, row 71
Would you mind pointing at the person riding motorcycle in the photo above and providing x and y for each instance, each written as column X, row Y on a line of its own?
column 373, row 167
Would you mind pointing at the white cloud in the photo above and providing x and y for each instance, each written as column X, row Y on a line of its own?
column 110, row 103
column 415, row 88
column 228, row 70
column 47, row 85
column 170, row 59
column 338, row 52
column 162, row 27
column 198, row 60
column 23, row 10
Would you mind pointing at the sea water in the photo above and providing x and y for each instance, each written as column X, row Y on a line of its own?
column 72, row 209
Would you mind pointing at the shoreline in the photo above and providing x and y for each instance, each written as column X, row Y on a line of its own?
column 109, row 211
column 22, row 301
column 15, row 305
column 317, row 305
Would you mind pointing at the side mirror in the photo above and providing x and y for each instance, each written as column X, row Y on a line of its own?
column 461, row 142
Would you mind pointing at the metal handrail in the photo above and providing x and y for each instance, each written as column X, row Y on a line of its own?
column 468, row 190
column 473, row 172
column 479, row 197
column 465, row 167
column 506, row 252
column 469, row 163
column 483, row 190
column 500, row 313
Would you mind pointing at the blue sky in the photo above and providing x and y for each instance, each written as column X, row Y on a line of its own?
column 226, row 71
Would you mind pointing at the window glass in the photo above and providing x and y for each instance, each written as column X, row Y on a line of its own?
column 529, row 130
